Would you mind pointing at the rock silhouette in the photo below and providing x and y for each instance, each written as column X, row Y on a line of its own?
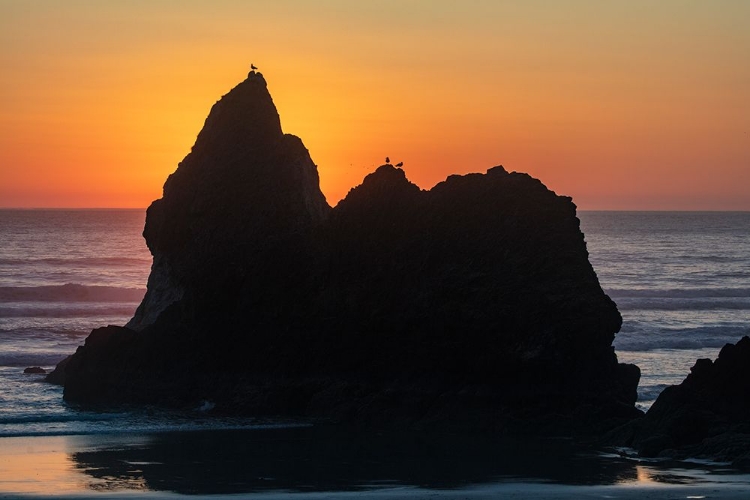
column 472, row 303
column 245, row 190
column 707, row 415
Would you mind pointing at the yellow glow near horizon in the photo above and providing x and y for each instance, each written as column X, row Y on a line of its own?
column 622, row 105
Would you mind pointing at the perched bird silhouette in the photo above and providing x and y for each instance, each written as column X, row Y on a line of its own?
column 387, row 160
column 253, row 66
column 400, row 164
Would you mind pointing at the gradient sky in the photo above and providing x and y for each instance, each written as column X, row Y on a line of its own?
column 619, row 104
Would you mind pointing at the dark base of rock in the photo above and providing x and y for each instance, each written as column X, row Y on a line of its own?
column 104, row 371
column 460, row 408
column 35, row 370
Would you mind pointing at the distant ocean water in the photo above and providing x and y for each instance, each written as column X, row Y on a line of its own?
column 681, row 281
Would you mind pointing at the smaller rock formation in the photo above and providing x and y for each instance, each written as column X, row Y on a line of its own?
column 35, row 370
column 707, row 415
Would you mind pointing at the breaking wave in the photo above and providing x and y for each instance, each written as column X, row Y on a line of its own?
column 682, row 338
column 70, row 292
column 105, row 262
column 678, row 293
column 25, row 310
column 140, row 421
column 25, row 359
column 680, row 304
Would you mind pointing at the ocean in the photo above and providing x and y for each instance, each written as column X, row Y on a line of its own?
column 680, row 279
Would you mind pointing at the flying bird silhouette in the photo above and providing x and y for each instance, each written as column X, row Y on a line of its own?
column 253, row 66
column 400, row 164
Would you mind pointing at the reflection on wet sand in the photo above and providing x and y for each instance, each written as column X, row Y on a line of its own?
column 651, row 475
column 30, row 466
column 329, row 459
column 325, row 459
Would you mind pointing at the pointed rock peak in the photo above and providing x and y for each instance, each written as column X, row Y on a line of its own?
column 498, row 170
column 245, row 116
column 244, row 187
column 256, row 77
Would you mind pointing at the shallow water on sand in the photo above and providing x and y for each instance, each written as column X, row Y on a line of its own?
column 315, row 459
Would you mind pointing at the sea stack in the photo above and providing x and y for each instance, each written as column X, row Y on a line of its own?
column 472, row 304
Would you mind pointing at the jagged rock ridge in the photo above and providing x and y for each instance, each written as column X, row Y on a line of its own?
column 473, row 301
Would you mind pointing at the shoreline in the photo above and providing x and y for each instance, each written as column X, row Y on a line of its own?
column 528, row 491
column 332, row 463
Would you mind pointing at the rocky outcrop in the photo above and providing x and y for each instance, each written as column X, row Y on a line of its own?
column 245, row 191
column 707, row 415
column 473, row 302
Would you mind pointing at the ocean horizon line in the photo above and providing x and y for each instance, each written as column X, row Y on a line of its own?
column 629, row 210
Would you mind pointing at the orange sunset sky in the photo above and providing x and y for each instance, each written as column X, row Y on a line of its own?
column 620, row 104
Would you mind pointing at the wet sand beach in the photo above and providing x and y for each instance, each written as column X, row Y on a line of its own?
column 320, row 462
